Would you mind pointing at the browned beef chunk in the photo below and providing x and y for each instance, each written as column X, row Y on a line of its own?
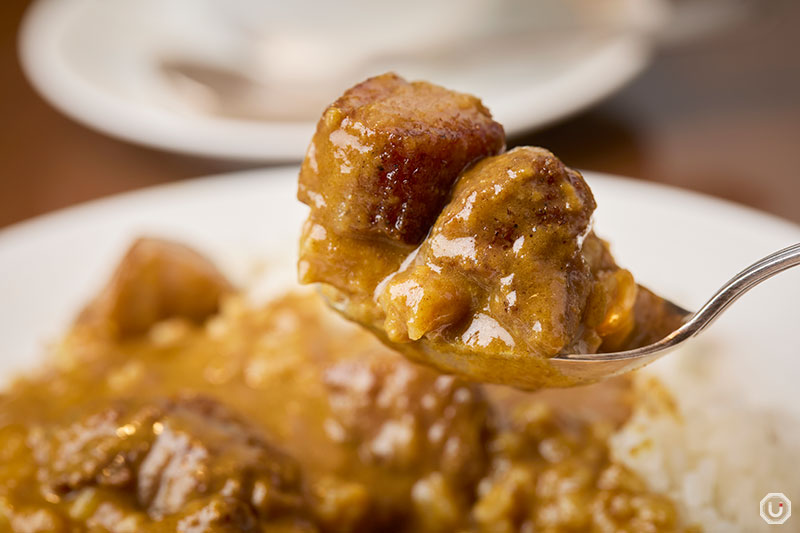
column 426, row 432
column 378, row 171
column 386, row 154
column 170, row 455
column 103, row 449
column 506, row 249
column 408, row 418
column 156, row 279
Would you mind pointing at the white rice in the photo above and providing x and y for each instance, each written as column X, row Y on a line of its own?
column 713, row 452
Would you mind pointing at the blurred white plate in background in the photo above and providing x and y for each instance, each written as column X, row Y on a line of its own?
column 141, row 70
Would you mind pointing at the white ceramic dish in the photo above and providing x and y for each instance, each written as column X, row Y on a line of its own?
column 96, row 61
column 682, row 244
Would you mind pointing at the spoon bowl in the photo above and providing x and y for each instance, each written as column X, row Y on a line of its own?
column 593, row 367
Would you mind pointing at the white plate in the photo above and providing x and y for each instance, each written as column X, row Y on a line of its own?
column 95, row 60
column 682, row 244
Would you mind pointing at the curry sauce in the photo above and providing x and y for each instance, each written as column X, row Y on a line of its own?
column 463, row 256
column 285, row 417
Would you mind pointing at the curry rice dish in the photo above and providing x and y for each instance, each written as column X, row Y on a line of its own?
column 174, row 404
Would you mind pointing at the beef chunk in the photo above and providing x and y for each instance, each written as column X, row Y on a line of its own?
column 103, row 449
column 408, row 418
column 386, row 154
column 156, row 279
column 413, row 425
column 508, row 246
column 170, row 455
column 509, row 273
column 200, row 447
column 378, row 171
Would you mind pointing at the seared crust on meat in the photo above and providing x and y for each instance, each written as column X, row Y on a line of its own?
column 386, row 154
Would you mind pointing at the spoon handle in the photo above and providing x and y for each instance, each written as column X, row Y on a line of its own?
column 741, row 283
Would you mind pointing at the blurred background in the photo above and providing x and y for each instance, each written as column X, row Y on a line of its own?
column 105, row 96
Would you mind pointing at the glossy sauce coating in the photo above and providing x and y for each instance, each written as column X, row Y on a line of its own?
column 502, row 270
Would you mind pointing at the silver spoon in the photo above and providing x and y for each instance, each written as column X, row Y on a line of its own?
column 592, row 367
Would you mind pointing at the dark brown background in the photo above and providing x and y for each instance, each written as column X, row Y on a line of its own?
column 719, row 114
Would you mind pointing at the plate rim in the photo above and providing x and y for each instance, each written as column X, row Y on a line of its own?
column 609, row 68
column 25, row 227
